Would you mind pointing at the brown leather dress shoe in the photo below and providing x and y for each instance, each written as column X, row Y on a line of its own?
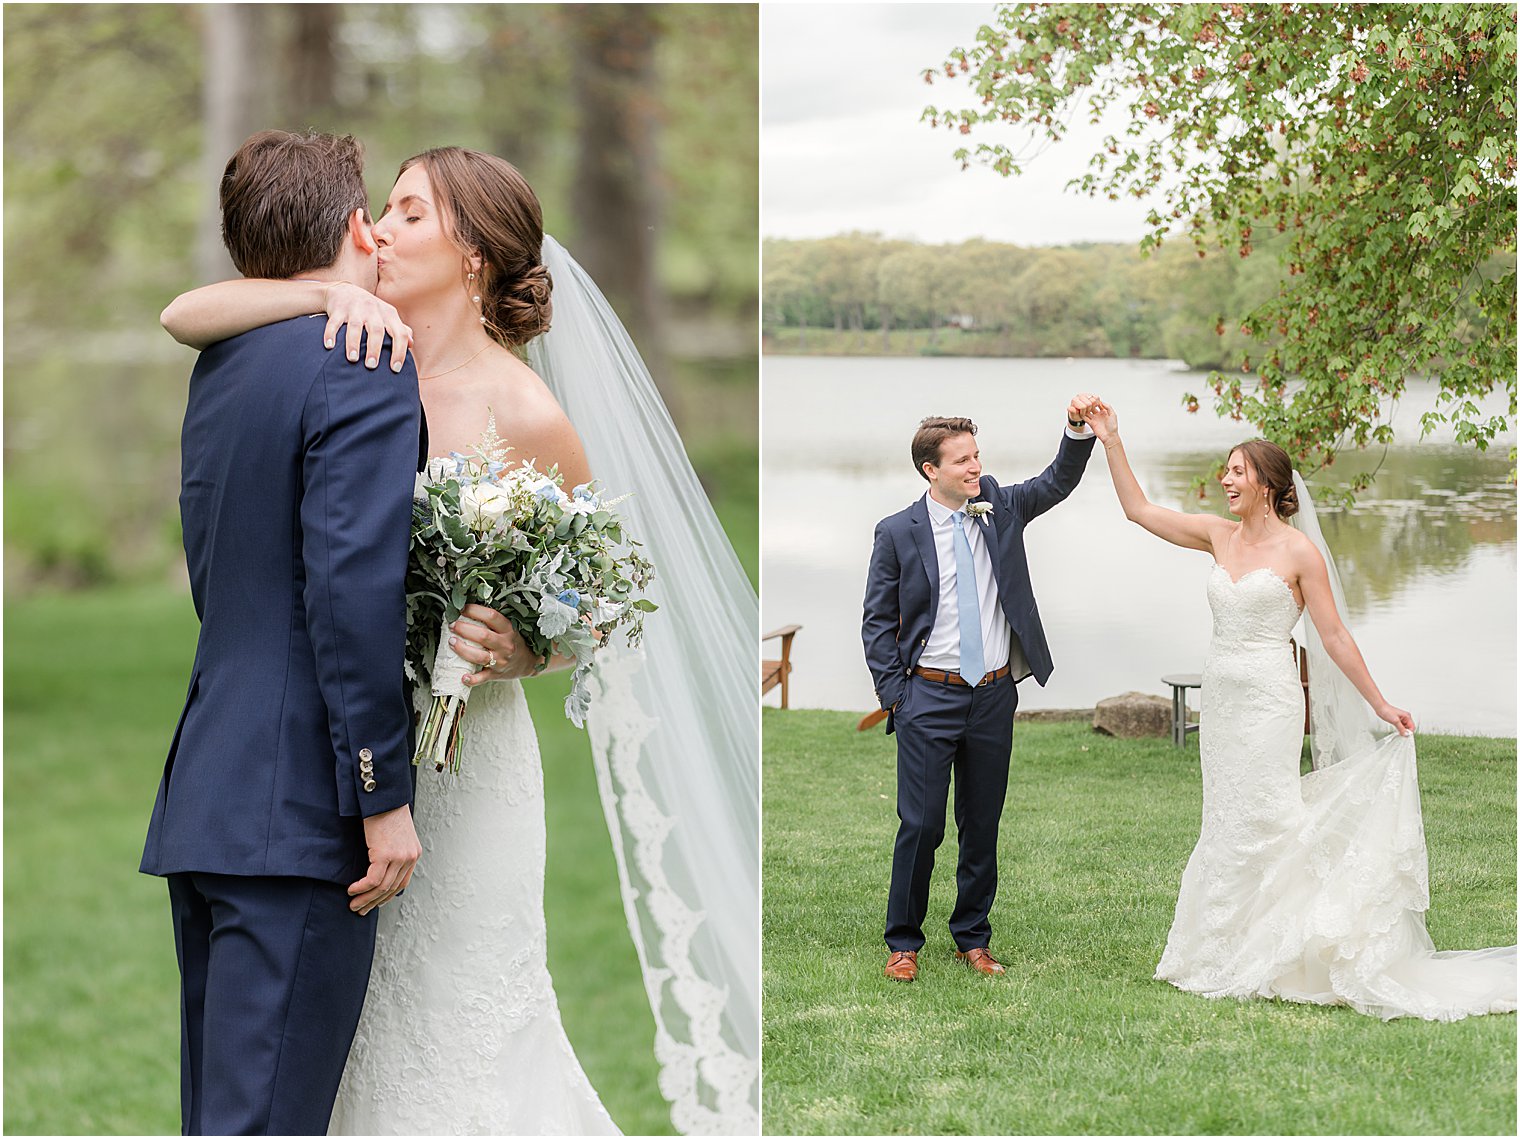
column 902, row 965
column 981, row 960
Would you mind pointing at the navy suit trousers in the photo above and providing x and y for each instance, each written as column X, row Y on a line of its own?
column 944, row 729
column 274, row 972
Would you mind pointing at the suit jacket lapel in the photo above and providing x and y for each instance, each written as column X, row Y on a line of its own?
column 988, row 523
column 923, row 535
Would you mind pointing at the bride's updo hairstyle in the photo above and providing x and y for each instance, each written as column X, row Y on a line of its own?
column 486, row 206
column 1274, row 471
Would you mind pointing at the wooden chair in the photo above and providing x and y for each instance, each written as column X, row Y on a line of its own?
column 774, row 672
column 1303, row 678
column 1180, row 682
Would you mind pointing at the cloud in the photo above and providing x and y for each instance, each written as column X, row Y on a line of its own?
column 842, row 147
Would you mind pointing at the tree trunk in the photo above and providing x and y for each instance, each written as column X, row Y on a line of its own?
column 235, row 104
column 308, row 94
column 614, row 196
column 886, row 328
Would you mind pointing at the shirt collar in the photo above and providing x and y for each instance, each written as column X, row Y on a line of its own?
column 939, row 513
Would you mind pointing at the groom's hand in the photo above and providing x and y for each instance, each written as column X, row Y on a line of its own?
column 393, row 853
column 1081, row 407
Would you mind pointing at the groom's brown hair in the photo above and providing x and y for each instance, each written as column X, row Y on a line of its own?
column 286, row 200
column 931, row 436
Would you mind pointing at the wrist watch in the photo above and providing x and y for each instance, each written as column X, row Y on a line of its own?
column 1076, row 424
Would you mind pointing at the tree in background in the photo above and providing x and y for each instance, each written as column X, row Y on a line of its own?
column 823, row 295
column 119, row 119
column 1379, row 139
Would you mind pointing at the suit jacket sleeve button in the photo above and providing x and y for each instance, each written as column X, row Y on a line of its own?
column 369, row 784
column 365, row 753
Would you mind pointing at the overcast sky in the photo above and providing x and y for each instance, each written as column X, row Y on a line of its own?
column 842, row 149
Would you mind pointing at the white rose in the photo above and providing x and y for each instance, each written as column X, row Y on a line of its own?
column 493, row 503
column 482, row 504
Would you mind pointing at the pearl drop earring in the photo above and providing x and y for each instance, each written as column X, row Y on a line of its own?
column 475, row 298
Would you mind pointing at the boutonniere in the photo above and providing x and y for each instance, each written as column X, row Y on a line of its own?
column 978, row 509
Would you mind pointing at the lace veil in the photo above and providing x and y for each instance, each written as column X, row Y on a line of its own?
column 1341, row 724
column 674, row 726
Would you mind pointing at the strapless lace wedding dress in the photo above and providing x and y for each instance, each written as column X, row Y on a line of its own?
column 1307, row 888
column 461, row 1032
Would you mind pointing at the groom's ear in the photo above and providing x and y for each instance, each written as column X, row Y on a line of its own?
column 360, row 230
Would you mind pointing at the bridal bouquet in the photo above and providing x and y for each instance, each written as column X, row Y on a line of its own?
column 558, row 566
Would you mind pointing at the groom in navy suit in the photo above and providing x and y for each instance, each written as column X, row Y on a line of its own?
column 950, row 627
column 283, row 817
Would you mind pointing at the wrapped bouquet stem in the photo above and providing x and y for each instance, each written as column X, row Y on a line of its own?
column 558, row 566
column 438, row 740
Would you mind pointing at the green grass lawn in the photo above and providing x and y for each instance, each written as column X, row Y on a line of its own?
column 1076, row 1038
column 93, row 684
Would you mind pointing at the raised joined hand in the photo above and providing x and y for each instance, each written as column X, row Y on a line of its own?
column 1081, row 406
column 1103, row 420
column 364, row 313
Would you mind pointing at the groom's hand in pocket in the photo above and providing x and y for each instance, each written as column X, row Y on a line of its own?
column 393, row 853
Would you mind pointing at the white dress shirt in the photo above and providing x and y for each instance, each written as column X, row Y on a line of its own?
column 943, row 649
column 999, row 644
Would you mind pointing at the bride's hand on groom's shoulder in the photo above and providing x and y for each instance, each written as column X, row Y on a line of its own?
column 364, row 313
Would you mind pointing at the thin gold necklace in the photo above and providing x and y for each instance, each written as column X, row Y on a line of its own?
column 455, row 368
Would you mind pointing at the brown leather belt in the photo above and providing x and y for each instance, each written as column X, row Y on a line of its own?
column 940, row 677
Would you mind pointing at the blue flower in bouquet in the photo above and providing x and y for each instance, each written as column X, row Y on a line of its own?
column 571, row 598
column 550, row 493
column 583, row 500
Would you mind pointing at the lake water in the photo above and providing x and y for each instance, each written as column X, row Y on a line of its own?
column 1427, row 556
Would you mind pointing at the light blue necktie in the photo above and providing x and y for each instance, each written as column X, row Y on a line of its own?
column 973, row 665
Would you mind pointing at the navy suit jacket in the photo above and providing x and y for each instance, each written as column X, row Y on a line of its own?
column 902, row 584
column 296, row 501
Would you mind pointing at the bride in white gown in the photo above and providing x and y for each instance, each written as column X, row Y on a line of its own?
column 461, row 1032
column 1312, row 888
